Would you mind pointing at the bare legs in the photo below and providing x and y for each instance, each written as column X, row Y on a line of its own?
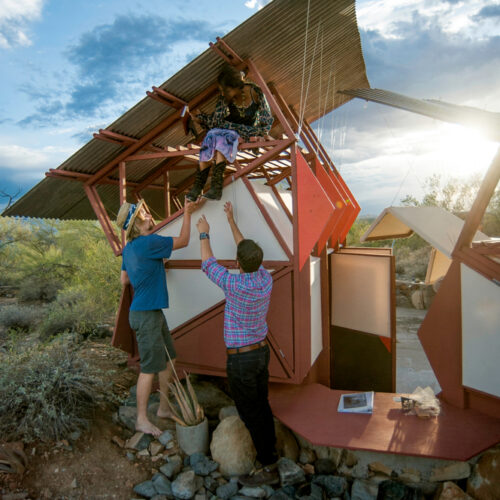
column 144, row 385
column 218, row 158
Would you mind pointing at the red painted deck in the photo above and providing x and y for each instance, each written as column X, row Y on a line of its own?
column 311, row 411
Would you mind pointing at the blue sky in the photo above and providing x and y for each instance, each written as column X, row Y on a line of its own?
column 72, row 67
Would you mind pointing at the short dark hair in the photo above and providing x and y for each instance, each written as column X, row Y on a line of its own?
column 230, row 77
column 249, row 255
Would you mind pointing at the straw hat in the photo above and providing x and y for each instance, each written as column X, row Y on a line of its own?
column 127, row 215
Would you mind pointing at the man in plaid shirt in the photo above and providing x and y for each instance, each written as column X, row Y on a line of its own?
column 245, row 330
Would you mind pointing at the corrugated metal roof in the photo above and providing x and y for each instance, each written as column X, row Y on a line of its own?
column 485, row 121
column 274, row 39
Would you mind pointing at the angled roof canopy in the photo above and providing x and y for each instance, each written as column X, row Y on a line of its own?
column 274, row 39
column 435, row 225
column 485, row 121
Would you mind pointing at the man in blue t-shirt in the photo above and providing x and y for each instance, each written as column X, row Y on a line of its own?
column 142, row 266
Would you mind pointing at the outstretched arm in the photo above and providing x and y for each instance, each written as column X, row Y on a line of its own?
column 228, row 208
column 206, row 249
column 182, row 240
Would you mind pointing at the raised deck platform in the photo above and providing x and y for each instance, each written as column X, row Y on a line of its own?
column 311, row 411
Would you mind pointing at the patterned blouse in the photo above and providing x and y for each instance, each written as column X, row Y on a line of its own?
column 262, row 123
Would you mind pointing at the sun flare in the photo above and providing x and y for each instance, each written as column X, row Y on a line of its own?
column 464, row 150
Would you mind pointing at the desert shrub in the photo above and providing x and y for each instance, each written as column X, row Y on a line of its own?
column 59, row 320
column 37, row 288
column 412, row 263
column 46, row 393
column 15, row 317
column 73, row 311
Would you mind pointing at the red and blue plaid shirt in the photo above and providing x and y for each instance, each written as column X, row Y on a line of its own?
column 247, row 302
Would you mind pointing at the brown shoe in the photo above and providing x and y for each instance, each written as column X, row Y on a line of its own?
column 266, row 475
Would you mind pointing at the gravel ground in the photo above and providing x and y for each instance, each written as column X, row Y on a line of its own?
column 412, row 366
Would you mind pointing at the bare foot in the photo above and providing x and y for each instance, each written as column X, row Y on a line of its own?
column 147, row 427
column 163, row 413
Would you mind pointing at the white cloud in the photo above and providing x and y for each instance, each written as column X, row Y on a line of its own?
column 26, row 164
column 385, row 16
column 14, row 18
column 252, row 4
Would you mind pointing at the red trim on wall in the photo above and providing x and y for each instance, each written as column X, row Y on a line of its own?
column 483, row 402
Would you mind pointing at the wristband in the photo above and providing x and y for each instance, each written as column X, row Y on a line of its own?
column 204, row 236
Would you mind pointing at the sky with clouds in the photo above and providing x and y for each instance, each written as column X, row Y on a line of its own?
column 70, row 68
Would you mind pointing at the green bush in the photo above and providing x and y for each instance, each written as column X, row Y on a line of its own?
column 74, row 311
column 16, row 317
column 39, row 288
column 46, row 394
column 59, row 320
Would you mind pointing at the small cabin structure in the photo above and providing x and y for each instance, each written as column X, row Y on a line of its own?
column 332, row 318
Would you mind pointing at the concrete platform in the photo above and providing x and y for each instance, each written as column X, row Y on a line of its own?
column 311, row 411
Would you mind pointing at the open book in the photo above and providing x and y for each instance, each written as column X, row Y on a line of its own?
column 359, row 402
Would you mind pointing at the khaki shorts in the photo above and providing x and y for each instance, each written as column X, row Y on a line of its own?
column 153, row 336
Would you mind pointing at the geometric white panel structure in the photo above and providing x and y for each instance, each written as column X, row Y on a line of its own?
column 361, row 293
column 190, row 293
column 480, row 332
column 249, row 218
column 275, row 211
column 316, row 315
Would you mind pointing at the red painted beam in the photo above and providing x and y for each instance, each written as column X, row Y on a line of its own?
column 150, row 136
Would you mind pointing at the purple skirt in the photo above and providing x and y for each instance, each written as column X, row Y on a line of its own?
column 220, row 139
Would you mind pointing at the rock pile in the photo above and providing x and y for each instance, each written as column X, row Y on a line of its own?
column 306, row 472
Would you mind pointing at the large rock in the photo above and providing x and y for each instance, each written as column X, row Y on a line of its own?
column 232, row 447
column 333, row 454
column 163, row 486
column 145, row 489
column 165, row 437
column 253, row 492
column 380, row 468
column 325, row 466
column 484, row 482
column 290, row 473
column 185, row 485
column 364, row 490
column 228, row 411
column 334, row 486
column 139, row 441
column 127, row 416
column 203, row 466
column 211, row 398
column 391, row 490
column 307, row 456
column 227, row 490
column 450, row 472
column 286, row 444
column 172, row 467
column 450, row 491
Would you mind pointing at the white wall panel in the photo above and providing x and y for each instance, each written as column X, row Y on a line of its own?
column 275, row 210
column 361, row 293
column 480, row 332
column 248, row 217
column 316, row 314
column 190, row 293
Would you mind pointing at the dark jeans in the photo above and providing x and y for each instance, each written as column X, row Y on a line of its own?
column 248, row 378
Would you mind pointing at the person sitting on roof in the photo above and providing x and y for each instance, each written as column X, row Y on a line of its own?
column 241, row 111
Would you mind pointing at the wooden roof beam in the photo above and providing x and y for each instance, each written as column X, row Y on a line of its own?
column 165, row 97
column 151, row 135
column 80, row 177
